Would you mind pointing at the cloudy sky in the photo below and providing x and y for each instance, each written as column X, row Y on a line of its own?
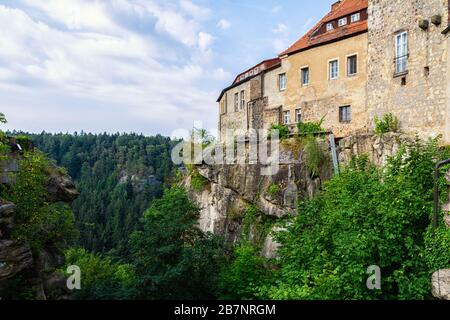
column 145, row 66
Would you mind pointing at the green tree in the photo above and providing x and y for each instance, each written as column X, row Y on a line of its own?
column 101, row 278
column 365, row 216
column 174, row 259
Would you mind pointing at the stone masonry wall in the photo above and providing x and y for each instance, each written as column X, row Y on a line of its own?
column 420, row 103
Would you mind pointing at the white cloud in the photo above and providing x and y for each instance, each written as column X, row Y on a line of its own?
column 205, row 40
column 224, row 24
column 49, row 62
column 194, row 10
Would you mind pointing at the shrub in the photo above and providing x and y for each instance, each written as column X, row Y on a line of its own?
column 273, row 190
column 244, row 275
column 389, row 123
column 198, row 182
column 313, row 154
column 306, row 128
column 283, row 131
column 36, row 220
column 366, row 216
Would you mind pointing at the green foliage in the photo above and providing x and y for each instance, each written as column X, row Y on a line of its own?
column 245, row 274
column 389, row 123
column 101, row 278
column 3, row 118
column 313, row 154
column 364, row 216
column 273, row 190
column 36, row 220
column 118, row 177
column 198, row 182
column 283, row 131
column 307, row 128
column 174, row 259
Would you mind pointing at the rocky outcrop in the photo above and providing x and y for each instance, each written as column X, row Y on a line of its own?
column 60, row 186
column 14, row 257
column 38, row 269
column 230, row 189
column 377, row 147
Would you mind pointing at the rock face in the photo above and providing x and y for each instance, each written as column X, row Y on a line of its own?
column 37, row 269
column 14, row 257
column 60, row 186
column 377, row 148
column 441, row 284
column 231, row 188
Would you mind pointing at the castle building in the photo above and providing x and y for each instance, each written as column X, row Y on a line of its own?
column 364, row 59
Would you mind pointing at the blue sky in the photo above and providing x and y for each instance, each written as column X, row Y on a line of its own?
column 141, row 66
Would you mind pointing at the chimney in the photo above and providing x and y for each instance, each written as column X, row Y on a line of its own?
column 334, row 5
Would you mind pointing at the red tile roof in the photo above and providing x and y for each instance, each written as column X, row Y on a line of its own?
column 340, row 9
column 260, row 67
column 264, row 65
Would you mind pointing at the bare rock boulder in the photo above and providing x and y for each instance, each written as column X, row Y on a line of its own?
column 441, row 284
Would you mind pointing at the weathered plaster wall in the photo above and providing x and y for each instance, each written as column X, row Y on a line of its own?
column 323, row 97
column 421, row 103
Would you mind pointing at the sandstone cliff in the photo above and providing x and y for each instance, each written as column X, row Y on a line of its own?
column 18, row 262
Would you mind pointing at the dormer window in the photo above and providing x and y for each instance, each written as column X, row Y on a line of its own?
column 355, row 17
column 330, row 26
column 342, row 22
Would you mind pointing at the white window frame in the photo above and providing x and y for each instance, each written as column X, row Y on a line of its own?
column 287, row 117
column 342, row 22
column 330, row 26
column 282, row 85
column 348, row 66
column 355, row 17
column 242, row 104
column 330, row 75
column 236, row 102
column 305, row 84
column 401, row 52
column 298, row 112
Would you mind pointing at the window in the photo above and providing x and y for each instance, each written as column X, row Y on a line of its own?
column 330, row 26
column 298, row 115
column 305, row 76
column 287, row 117
column 342, row 22
column 282, row 81
column 345, row 114
column 236, row 102
column 352, row 65
column 334, row 69
column 401, row 52
column 355, row 17
column 242, row 99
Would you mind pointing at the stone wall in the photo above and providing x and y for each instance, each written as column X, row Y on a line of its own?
column 417, row 98
column 377, row 148
column 323, row 97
